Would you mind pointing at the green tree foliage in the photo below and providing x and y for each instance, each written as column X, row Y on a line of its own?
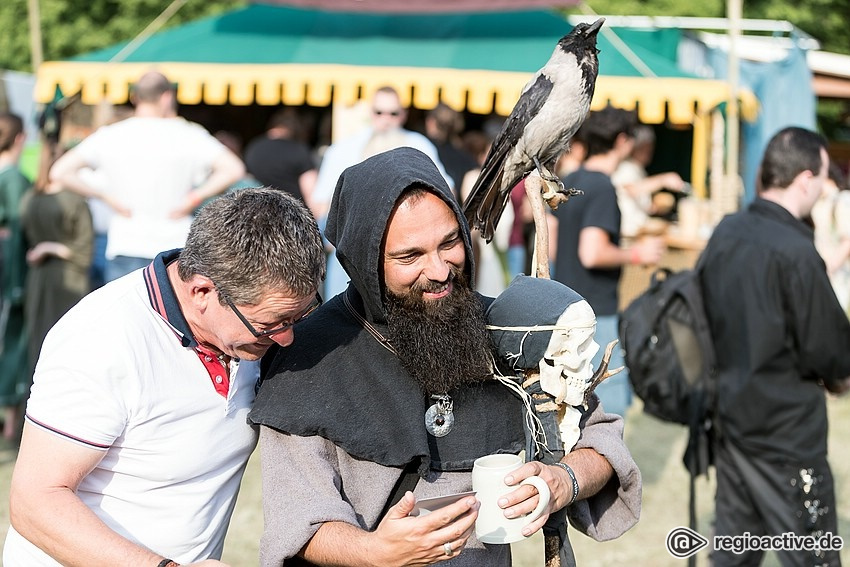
column 704, row 9
column 825, row 20
column 71, row 27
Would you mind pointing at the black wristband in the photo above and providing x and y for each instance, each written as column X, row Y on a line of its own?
column 167, row 563
column 570, row 472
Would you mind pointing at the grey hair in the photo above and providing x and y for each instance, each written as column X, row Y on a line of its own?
column 644, row 134
column 254, row 241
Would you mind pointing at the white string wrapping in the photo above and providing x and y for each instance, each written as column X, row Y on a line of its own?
column 586, row 324
column 532, row 422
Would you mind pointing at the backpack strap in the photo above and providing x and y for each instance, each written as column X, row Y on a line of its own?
column 699, row 453
column 692, row 515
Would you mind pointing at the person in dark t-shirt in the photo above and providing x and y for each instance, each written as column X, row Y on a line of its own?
column 277, row 159
column 589, row 257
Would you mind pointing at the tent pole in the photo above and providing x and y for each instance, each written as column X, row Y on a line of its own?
column 733, row 12
column 700, row 153
column 151, row 29
column 36, row 53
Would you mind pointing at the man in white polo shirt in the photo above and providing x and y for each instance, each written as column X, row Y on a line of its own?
column 136, row 438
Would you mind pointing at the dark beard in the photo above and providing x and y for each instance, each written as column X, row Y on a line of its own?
column 442, row 344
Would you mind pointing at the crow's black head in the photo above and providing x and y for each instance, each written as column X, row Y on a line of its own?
column 582, row 38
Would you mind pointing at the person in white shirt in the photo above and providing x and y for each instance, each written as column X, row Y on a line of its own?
column 151, row 164
column 637, row 191
column 136, row 439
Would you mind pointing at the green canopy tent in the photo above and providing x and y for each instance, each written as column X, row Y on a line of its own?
column 478, row 62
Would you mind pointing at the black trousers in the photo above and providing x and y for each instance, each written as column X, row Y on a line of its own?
column 763, row 497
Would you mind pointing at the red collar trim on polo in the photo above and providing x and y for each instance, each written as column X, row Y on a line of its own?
column 163, row 300
column 218, row 370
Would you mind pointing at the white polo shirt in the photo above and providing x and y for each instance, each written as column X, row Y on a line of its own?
column 122, row 373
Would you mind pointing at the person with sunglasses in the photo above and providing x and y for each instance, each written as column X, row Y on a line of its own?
column 136, row 436
column 385, row 132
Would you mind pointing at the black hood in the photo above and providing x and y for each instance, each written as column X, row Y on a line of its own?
column 364, row 198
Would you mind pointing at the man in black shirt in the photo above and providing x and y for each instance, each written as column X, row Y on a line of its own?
column 278, row 160
column 781, row 339
column 443, row 126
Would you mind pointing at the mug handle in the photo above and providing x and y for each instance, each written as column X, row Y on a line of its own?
column 543, row 491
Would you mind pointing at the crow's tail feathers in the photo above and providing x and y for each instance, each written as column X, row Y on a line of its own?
column 491, row 210
column 485, row 203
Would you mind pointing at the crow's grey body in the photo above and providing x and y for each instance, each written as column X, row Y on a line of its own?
column 550, row 109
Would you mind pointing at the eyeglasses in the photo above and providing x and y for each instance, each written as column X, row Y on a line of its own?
column 377, row 112
column 317, row 301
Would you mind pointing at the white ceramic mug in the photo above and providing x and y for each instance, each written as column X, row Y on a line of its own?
column 488, row 482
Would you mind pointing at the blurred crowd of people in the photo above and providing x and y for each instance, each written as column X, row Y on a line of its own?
column 104, row 207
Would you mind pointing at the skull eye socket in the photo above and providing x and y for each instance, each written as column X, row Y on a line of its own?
column 549, row 361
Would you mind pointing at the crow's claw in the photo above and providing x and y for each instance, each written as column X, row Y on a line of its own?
column 545, row 173
column 552, row 189
column 554, row 196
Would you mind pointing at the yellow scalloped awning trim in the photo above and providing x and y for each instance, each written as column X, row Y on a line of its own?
column 677, row 100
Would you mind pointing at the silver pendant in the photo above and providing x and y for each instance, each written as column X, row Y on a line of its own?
column 439, row 418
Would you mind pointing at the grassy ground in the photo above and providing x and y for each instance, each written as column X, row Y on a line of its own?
column 657, row 448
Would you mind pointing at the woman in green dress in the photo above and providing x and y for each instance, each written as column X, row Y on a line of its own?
column 15, row 377
column 58, row 229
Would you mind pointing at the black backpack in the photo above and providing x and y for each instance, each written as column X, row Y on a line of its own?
column 668, row 347
column 670, row 356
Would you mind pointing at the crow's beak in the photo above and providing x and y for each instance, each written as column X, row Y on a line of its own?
column 594, row 27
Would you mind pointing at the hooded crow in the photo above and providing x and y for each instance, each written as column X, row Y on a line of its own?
column 551, row 107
